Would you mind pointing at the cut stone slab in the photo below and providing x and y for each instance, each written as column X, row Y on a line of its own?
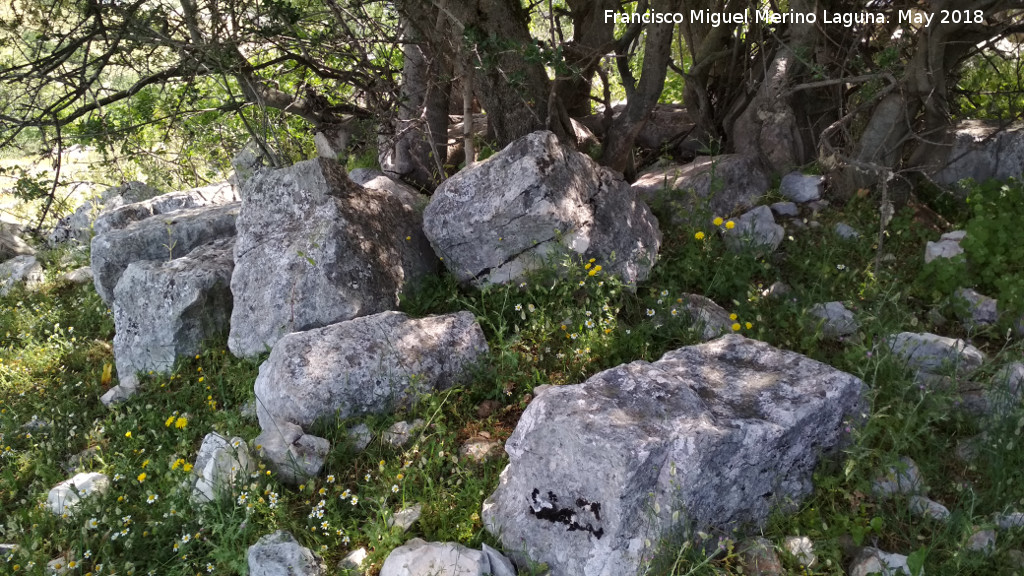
column 534, row 201
column 902, row 478
column 801, row 188
column 722, row 433
column 279, row 554
column 872, row 561
column 719, row 185
column 931, row 353
column 220, row 466
column 120, row 217
column 166, row 310
column 419, row 558
column 64, row 497
column 835, row 320
column 161, row 238
column 365, row 366
column 23, row 271
column 294, row 455
column 756, row 230
column 948, row 246
column 314, row 248
column 927, row 508
column 401, row 433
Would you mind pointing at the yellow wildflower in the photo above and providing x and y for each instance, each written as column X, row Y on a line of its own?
column 142, row 477
column 735, row 326
column 181, row 422
column 732, row 316
column 170, row 420
column 730, row 225
column 717, row 221
column 749, row 325
column 187, row 467
column 699, row 235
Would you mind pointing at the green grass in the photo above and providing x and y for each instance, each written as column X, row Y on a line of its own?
column 557, row 327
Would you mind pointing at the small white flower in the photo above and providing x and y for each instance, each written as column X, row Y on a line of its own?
column 394, row 488
column 650, row 312
column 519, row 307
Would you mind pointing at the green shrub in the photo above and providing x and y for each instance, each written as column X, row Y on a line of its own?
column 993, row 259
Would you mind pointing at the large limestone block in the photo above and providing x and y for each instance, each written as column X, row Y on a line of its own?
column 366, row 365
column 714, row 435
column 314, row 248
column 708, row 186
column 163, row 237
column 981, row 150
column 533, row 201
column 65, row 497
column 78, row 225
column 931, row 353
column 212, row 195
column 20, row 271
column 166, row 310
column 11, row 244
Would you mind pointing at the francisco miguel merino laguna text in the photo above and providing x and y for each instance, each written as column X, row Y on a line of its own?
column 766, row 16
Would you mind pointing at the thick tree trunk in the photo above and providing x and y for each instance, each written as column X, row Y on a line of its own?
column 642, row 96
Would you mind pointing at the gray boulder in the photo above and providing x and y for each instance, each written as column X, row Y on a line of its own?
column 254, row 159
column 902, row 478
column 11, row 244
column 785, row 209
column 872, row 561
column 294, row 455
column 419, row 558
column 221, row 466
column 166, row 310
column 846, row 232
column 977, row 310
column 314, row 249
column 364, row 366
column 23, row 271
column 81, row 275
column 163, row 237
column 755, row 230
column 948, row 246
column 117, row 218
column 66, row 496
column 980, row 150
column 719, row 185
column 532, row 202
column 931, row 353
column 927, row 508
column 377, row 180
column 711, row 436
column 78, row 225
column 711, row 319
column 801, row 188
column 835, row 320
column 279, row 554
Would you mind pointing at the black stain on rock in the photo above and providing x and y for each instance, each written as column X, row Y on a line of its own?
column 547, row 509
